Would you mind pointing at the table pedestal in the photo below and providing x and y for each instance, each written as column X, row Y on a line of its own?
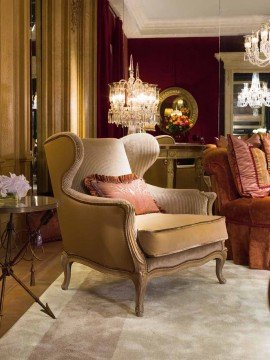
column 7, row 264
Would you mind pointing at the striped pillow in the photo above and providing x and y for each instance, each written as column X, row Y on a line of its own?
column 249, row 168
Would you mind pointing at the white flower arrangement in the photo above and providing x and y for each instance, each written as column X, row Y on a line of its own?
column 13, row 186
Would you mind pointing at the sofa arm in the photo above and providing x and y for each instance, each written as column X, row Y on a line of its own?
column 183, row 201
column 99, row 229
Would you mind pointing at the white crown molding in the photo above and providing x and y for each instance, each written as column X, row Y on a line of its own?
column 213, row 26
column 134, row 9
column 235, row 61
column 138, row 25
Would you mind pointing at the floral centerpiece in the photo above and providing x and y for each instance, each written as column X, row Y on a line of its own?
column 178, row 121
column 13, row 187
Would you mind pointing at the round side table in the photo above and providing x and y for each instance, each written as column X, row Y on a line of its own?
column 27, row 205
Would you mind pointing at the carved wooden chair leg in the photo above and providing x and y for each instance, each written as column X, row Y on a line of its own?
column 140, row 282
column 66, row 264
column 219, row 266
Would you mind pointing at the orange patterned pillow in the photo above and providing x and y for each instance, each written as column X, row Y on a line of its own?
column 249, row 168
column 254, row 140
column 125, row 187
column 266, row 148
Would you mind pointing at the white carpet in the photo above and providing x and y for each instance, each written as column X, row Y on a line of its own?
column 187, row 316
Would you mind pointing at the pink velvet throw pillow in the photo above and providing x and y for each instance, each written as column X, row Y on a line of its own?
column 126, row 187
column 254, row 140
column 249, row 168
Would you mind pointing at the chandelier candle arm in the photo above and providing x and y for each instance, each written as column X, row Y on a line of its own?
column 131, row 68
column 257, row 46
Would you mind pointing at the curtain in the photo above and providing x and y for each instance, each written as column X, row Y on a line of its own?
column 110, row 66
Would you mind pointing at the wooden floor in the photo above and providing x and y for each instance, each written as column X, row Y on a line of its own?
column 17, row 301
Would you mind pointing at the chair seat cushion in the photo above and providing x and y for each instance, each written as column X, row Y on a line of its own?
column 165, row 234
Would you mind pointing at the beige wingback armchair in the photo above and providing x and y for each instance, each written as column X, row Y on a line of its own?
column 106, row 235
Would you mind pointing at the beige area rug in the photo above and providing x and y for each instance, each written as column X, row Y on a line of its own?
column 187, row 316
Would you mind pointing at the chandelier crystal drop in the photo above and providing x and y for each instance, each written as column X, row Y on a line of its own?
column 257, row 46
column 254, row 96
column 133, row 103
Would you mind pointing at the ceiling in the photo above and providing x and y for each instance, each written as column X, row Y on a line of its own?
column 184, row 18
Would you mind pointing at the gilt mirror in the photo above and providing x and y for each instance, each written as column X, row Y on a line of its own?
column 178, row 110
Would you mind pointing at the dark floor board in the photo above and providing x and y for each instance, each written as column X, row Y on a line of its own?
column 17, row 301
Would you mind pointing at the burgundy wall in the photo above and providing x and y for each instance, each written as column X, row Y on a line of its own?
column 232, row 43
column 188, row 63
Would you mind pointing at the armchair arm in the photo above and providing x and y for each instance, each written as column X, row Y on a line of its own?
column 100, row 230
column 183, row 201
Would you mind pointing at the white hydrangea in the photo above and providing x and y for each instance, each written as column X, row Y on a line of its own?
column 16, row 185
column 4, row 185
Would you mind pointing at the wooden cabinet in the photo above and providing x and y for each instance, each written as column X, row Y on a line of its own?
column 163, row 171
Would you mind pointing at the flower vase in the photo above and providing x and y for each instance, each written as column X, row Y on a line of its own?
column 10, row 199
column 182, row 137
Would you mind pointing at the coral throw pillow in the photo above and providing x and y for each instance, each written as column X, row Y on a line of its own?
column 125, row 187
column 249, row 168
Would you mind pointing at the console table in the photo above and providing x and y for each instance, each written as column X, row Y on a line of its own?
column 8, row 259
column 172, row 152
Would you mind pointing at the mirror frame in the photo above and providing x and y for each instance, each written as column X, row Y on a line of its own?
column 185, row 95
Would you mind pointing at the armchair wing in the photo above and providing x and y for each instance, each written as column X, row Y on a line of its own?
column 100, row 230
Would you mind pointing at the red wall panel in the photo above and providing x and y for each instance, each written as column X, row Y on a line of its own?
column 188, row 63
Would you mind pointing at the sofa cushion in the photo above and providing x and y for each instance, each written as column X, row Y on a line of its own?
column 164, row 234
column 249, row 169
column 238, row 210
column 126, row 187
column 248, row 211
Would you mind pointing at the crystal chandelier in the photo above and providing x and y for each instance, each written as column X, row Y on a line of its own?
column 255, row 96
column 133, row 103
column 257, row 46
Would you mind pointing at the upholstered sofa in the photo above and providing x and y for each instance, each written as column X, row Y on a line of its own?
column 105, row 234
column 247, row 218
